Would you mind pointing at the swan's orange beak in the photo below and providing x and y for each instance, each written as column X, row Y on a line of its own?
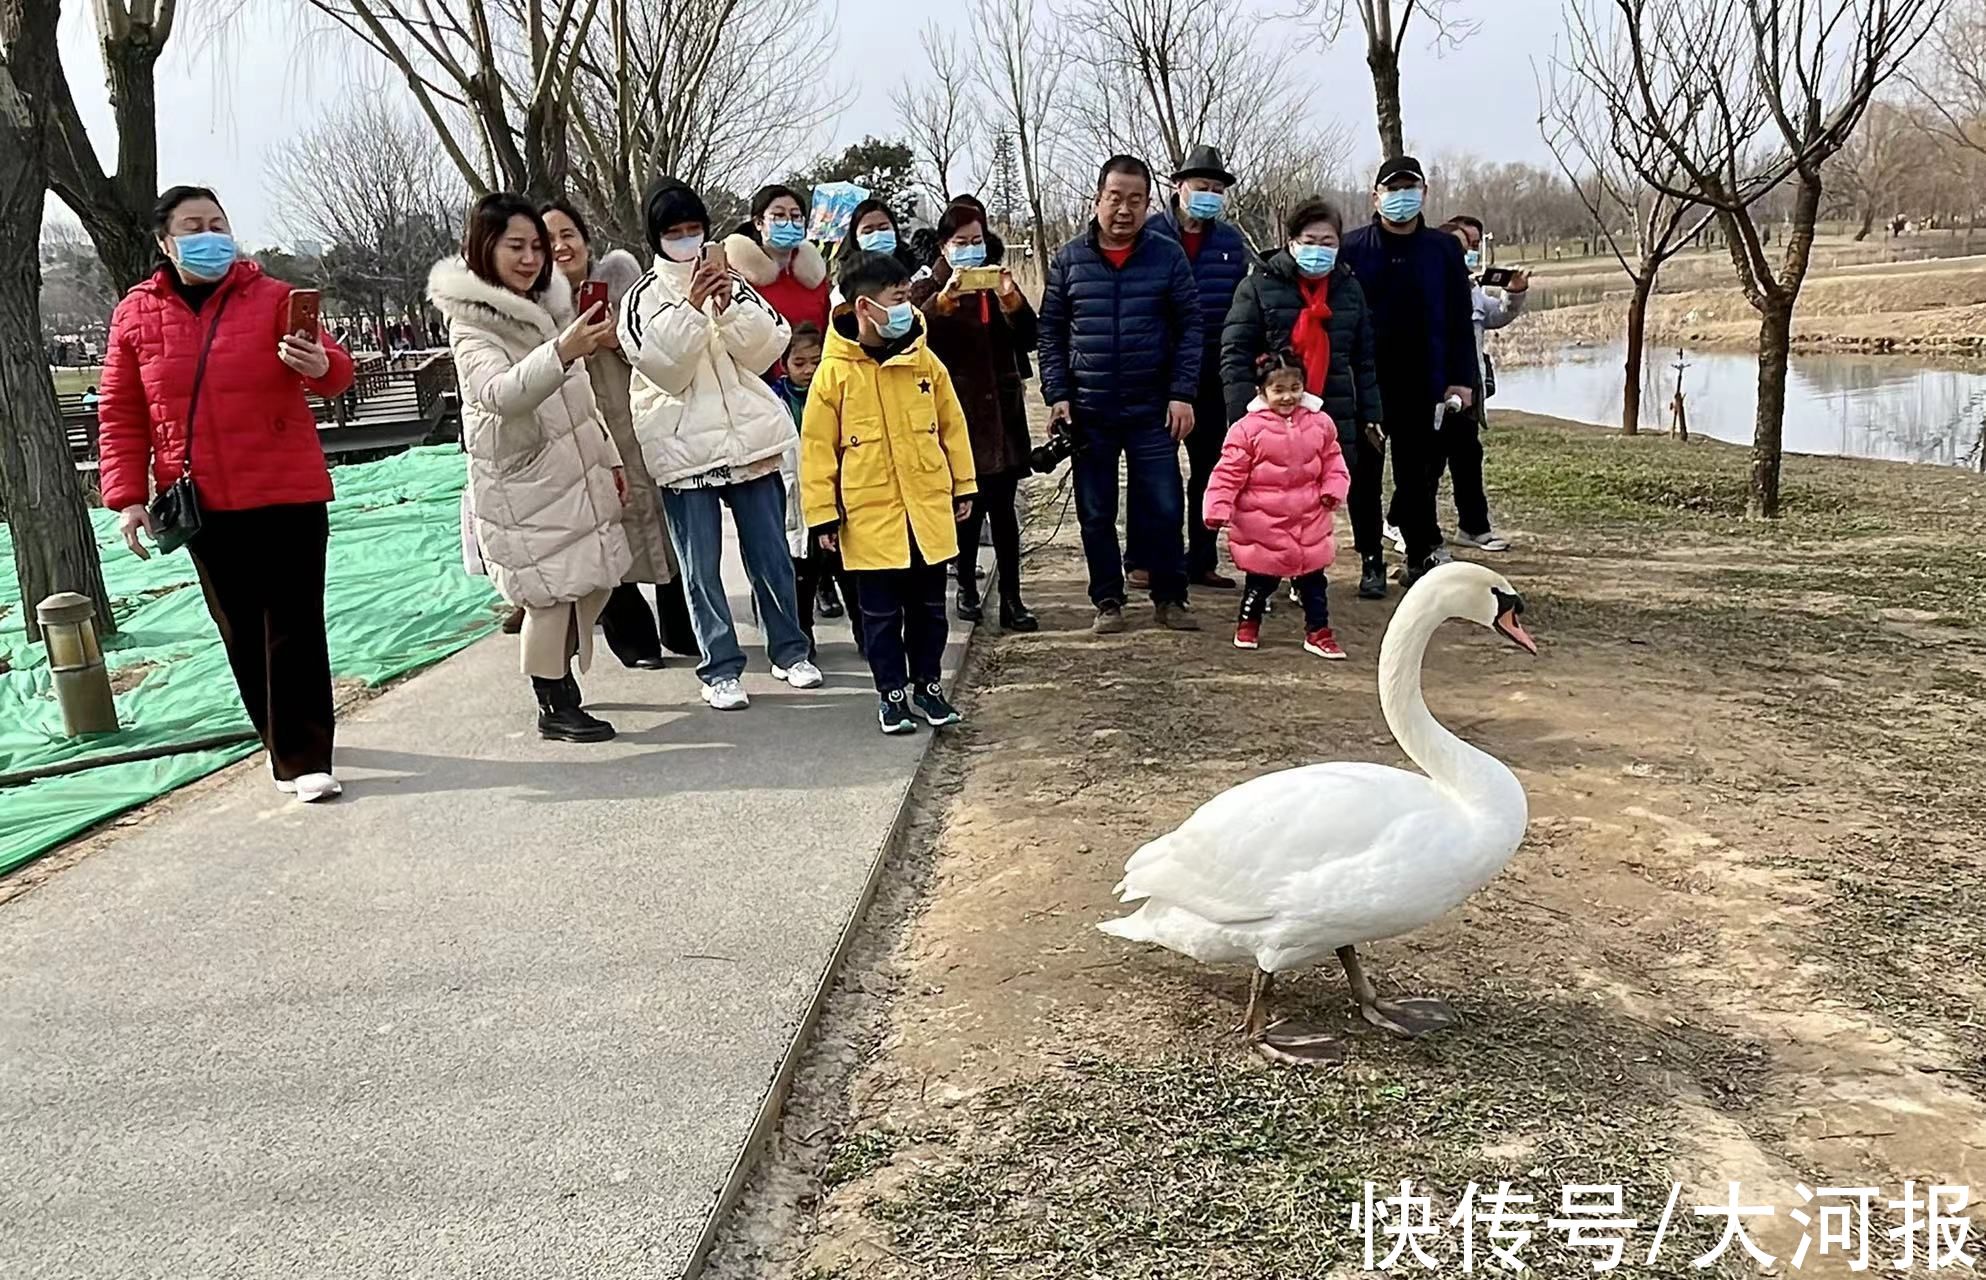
column 1507, row 623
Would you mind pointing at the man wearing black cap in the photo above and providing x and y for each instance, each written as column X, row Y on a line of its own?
column 1418, row 289
column 1219, row 258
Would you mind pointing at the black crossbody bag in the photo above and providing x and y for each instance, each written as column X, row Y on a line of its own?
column 176, row 511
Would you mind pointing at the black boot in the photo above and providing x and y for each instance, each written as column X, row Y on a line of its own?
column 1372, row 582
column 827, row 601
column 560, row 718
column 1015, row 616
column 970, row 607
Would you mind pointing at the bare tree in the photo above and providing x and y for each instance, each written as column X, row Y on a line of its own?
column 368, row 182
column 1742, row 97
column 1604, row 157
column 115, row 208
column 1159, row 76
column 1866, row 172
column 938, row 114
column 1386, row 23
column 1020, row 67
column 1949, row 76
column 54, row 545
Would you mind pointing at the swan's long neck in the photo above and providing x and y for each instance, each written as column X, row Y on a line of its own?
column 1476, row 778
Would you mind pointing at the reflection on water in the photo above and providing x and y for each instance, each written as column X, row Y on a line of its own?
column 1849, row 405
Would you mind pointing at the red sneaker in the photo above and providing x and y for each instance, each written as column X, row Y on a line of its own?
column 1322, row 643
column 1247, row 635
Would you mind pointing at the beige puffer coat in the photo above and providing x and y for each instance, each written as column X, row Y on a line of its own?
column 699, row 393
column 648, row 536
column 541, row 464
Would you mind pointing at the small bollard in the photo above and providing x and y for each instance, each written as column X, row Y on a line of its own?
column 75, row 660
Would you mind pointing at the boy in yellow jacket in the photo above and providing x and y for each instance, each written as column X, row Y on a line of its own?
column 885, row 477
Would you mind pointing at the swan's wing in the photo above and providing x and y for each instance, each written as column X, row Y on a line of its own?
column 1272, row 844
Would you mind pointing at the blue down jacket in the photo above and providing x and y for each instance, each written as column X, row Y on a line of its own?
column 1118, row 343
column 1219, row 270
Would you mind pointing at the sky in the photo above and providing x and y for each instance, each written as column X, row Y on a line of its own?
column 231, row 93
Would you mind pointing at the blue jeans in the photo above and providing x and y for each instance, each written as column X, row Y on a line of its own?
column 697, row 526
column 1157, row 505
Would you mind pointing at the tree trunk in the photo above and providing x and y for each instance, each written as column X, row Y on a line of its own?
column 1637, row 338
column 114, row 208
column 1868, row 222
column 55, row 547
column 1775, row 342
column 1385, row 64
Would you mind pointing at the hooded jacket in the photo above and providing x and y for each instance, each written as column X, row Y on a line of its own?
column 884, row 450
column 255, row 443
column 1265, row 311
column 542, row 497
column 798, row 291
column 1275, row 487
column 699, row 394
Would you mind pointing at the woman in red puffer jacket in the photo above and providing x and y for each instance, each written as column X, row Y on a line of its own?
column 257, row 468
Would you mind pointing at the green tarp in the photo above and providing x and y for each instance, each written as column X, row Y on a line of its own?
column 396, row 599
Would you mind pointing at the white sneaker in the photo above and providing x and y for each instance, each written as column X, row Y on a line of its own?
column 1394, row 536
column 312, row 787
column 801, row 675
column 727, row 695
column 1483, row 541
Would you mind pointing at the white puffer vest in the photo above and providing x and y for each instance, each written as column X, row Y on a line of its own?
column 699, row 393
column 541, row 464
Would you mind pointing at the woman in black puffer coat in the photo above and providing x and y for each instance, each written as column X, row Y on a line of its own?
column 1268, row 305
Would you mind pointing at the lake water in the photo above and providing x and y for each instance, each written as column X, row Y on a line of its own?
column 1854, row 406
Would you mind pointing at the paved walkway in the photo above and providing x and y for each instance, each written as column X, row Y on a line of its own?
column 509, row 1009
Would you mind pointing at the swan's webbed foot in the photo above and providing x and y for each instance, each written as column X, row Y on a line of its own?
column 1411, row 1016
column 1300, row 1044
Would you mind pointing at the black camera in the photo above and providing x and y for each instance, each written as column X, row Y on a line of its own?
column 1061, row 447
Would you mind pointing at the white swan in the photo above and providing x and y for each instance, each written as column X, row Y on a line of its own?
column 1290, row 867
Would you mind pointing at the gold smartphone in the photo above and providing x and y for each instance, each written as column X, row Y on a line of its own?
column 977, row 279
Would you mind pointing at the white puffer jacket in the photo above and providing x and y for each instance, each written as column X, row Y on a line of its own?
column 699, row 394
column 541, row 464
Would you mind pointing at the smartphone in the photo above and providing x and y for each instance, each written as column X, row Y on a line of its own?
column 301, row 313
column 713, row 254
column 1498, row 277
column 593, row 294
column 977, row 279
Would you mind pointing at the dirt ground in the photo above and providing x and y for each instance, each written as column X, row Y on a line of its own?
column 1744, row 939
column 1923, row 308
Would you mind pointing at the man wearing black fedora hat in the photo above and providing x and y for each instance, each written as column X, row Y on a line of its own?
column 1219, row 258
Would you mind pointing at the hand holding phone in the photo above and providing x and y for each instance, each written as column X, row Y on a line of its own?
column 1499, row 277
column 593, row 293
column 300, row 313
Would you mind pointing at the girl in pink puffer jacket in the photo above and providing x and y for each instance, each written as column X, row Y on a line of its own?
column 1280, row 480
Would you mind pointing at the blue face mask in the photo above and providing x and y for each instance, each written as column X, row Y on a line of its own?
column 1474, row 259
column 1315, row 259
column 898, row 322
column 966, row 255
column 883, row 241
column 205, row 254
column 1401, row 206
column 785, row 235
column 1205, row 205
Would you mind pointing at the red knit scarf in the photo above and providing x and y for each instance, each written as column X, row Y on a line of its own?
column 1311, row 334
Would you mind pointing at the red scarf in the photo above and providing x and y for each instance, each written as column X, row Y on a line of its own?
column 1311, row 334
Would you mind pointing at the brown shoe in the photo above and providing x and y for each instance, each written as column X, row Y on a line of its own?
column 1109, row 620
column 1177, row 617
column 1139, row 579
column 1215, row 580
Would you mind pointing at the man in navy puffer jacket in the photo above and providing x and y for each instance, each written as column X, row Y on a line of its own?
column 1120, row 354
column 1219, row 257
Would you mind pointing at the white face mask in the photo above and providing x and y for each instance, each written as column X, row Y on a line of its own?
column 682, row 248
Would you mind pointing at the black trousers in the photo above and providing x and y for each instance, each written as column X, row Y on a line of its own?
column 1310, row 588
column 1417, row 460
column 995, row 504
column 262, row 571
column 1462, row 452
column 821, row 565
column 633, row 631
column 1203, row 453
column 903, row 622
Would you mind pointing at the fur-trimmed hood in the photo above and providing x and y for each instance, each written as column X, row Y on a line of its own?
column 620, row 269
column 750, row 260
column 462, row 295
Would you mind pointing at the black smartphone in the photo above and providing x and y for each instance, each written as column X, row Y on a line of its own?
column 1498, row 277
